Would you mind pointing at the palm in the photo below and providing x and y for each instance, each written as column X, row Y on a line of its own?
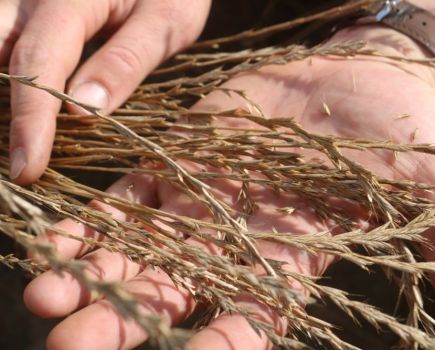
column 364, row 99
column 356, row 99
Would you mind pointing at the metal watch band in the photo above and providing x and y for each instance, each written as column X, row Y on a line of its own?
column 407, row 18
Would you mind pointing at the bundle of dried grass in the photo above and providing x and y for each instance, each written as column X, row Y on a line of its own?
column 156, row 127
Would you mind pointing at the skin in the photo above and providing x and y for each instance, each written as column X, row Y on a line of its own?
column 141, row 35
column 365, row 96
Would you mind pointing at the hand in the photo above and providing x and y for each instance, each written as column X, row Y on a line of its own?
column 365, row 98
column 45, row 38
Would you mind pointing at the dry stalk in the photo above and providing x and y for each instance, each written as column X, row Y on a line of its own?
column 156, row 126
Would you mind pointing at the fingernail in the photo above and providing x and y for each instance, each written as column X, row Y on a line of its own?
column 91, row 93
column 18, row 162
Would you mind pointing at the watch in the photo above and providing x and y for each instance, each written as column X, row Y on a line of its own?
column 405, row 17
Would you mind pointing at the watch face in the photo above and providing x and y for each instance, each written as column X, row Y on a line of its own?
column 384, row 8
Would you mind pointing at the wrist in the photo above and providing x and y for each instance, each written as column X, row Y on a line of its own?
column 383, row 39
column 428, row 5
column 406, row 28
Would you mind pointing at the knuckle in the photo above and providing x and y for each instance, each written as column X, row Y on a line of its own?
column 170, row 16
column 19, row 128
column 119, row 9
column 185, row 23
column 125, row 58
column 169, row 10
column 29, row 54
column 17, row 125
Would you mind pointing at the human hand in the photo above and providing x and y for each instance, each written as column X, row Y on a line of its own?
column 365, row 98
column 45, row 38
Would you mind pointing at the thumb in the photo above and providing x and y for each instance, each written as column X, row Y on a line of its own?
column 40, row 51
column 155, row 30
column 49, row 47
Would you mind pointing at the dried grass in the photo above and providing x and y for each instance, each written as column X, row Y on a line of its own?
column 144, row 128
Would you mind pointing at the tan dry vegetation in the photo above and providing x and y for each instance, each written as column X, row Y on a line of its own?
column 156, row 127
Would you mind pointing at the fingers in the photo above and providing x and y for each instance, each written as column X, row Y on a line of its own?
column 12, row 21
column 154, row 289
column 233, row 332
column 49, row 47
column 138, row 189
column 155, row 292
column 52, row 295
column 88, row 327
column 155, row 30
column 57, row 295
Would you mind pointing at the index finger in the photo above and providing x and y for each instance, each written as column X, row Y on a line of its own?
column 49, row 47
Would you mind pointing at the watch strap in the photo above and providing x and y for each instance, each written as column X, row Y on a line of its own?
column 407, row 18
